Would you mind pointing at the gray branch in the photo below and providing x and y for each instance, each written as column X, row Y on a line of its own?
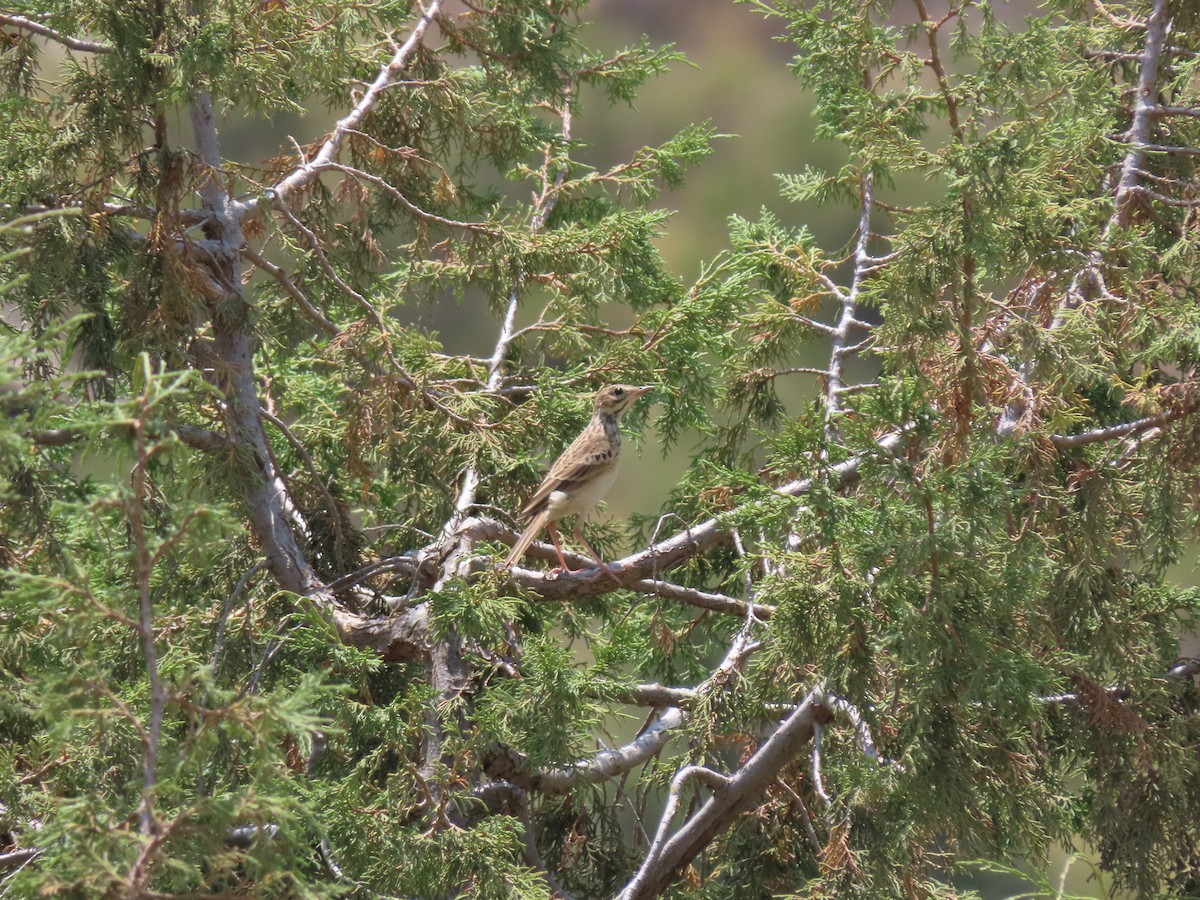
column 1125, row 429
column 611, row 762
column 1144, row 114
column 1137, row 137
column 840, row 348
column 738, row 793
column 308, row 170
column 543, row 205
column 27, row 24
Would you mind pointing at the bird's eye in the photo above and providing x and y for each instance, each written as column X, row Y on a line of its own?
column 619, row 392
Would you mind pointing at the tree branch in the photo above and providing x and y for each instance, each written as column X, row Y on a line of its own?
column 1137, row 136
column 739, row 793
column 834, row 385
column 27, row 24
column 388, row 74
column 618, row 761
column 404, row 201
column 1125, row 429
column 1142, row 125
column 543, row 205
column 715, row 781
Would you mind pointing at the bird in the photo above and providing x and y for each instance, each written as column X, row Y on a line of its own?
column 581, row 476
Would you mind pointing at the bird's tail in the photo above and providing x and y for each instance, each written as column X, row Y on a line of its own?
column 527, row 536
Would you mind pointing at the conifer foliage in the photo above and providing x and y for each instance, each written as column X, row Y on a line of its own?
column 255, row 640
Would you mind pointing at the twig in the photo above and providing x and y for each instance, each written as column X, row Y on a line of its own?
column 227, row 608
column 651, row 695
column 543, row 205
column 813, row 841
column 404, row 201
column 318, row 250
column 293, row 291
column 306, row 458
column 1137, row 136
column 834, row 385
column 1187, row 111
column 866, row 742
column 1114, row 19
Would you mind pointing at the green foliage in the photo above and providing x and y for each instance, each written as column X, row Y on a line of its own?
column 255, row 467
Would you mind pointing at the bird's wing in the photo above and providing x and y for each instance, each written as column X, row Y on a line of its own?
column 583, row 461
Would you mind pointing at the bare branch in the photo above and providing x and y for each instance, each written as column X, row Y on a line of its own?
column 791, row 370
column 652, row 695
column 17, row 858
column 834, row 385
column 814, row 842
column 818, row 780
column 1186, row 111
column 713, row 780
column 866, row 742
column 390, row 564
column 741, row 791
column 1137, row 136
column 543, row 205
column 1142, row 125
column 27, row 24
column 1166, row 148
column 318, row 250
column 1125, row 429
column 55, row 437
column 227, row 608
column 696, row 539
column 814, row 324
column 581, row 583
column 387, row 75
column 201, row 438
column 192, row 435
column 1164, row 199
column 318, row 480
column 610, row 762
column 1114, row 19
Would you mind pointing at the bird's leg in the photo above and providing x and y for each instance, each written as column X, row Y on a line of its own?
column 554, row 540
column 604, row 569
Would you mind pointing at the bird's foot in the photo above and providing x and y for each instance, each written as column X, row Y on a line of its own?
column 588, row 575
column 603, row 569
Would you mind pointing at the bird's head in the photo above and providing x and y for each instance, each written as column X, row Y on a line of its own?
column 615, row 399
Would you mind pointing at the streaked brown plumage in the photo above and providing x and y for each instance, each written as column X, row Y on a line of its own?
column 581, row 476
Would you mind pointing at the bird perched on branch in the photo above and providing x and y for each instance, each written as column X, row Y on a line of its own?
column 581, row 476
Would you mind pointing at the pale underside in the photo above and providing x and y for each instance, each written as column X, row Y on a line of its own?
column 581, row 497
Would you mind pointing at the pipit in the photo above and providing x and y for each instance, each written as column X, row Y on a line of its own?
column 581, row 476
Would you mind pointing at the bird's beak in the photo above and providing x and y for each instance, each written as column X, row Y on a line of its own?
column 640, row 391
